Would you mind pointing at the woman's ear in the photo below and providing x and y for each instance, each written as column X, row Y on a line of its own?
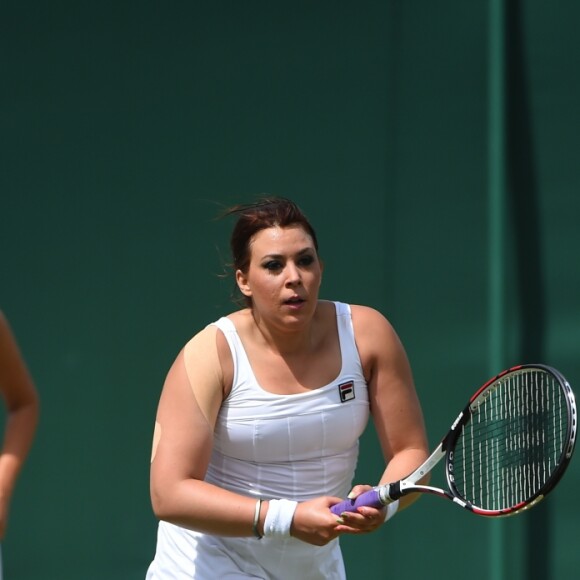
column 242, row 282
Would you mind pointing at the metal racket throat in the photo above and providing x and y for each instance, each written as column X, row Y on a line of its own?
column 505, row 451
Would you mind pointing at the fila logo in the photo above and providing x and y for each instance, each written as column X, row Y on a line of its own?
column 346, row 391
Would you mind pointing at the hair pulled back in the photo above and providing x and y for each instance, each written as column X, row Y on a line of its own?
column 266, row 212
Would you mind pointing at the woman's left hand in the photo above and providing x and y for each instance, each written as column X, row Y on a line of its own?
column 364, row 520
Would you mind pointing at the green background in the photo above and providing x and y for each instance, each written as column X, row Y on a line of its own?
column 125, row 125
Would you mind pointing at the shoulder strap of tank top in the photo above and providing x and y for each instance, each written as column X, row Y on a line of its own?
column 349, row 350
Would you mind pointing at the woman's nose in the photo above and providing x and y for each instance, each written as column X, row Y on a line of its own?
column 292, row 274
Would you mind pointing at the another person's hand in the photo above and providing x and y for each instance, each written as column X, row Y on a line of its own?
column 4, row 507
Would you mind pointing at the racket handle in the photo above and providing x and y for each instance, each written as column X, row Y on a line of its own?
column 370, row 498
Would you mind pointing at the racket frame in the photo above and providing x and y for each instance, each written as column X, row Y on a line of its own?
column 382, row 495
column 465, row 416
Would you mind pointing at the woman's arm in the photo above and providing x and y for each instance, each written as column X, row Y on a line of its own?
column 394, row 403
column 182, row 448
column 22, row 407
column 183, row 441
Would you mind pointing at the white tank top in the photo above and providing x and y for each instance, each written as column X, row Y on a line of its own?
column 275, row 446
column 296, row 446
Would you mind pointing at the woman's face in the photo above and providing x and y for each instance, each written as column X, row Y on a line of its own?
column 284, row 273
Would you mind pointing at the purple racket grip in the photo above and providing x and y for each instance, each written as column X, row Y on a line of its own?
column 368, row 498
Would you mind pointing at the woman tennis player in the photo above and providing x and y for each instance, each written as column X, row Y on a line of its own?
column 258, row 424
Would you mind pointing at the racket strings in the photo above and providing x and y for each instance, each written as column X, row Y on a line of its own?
column 514, row 441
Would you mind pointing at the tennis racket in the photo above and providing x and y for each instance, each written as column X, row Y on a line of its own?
column 505, row 451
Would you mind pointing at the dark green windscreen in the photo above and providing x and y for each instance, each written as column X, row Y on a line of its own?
column 126, row 125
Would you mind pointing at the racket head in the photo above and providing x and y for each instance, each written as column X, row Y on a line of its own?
column 513, row 441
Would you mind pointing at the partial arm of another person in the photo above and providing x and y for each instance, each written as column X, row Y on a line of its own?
column 22, row 408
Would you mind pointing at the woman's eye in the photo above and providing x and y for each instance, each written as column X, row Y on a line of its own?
column 306, row 260
column 272, row 265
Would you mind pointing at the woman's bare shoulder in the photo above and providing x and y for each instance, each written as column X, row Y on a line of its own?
column 373, row 331
column 367, row 316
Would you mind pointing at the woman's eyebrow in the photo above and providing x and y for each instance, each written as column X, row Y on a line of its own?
column 279, row 256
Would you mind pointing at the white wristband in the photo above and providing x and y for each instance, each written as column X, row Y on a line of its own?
column 391, row 510
column 279, row 518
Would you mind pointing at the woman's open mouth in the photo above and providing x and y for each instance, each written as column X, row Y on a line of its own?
column 294, row 302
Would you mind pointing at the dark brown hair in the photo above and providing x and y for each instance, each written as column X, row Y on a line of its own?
column 266, row 212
